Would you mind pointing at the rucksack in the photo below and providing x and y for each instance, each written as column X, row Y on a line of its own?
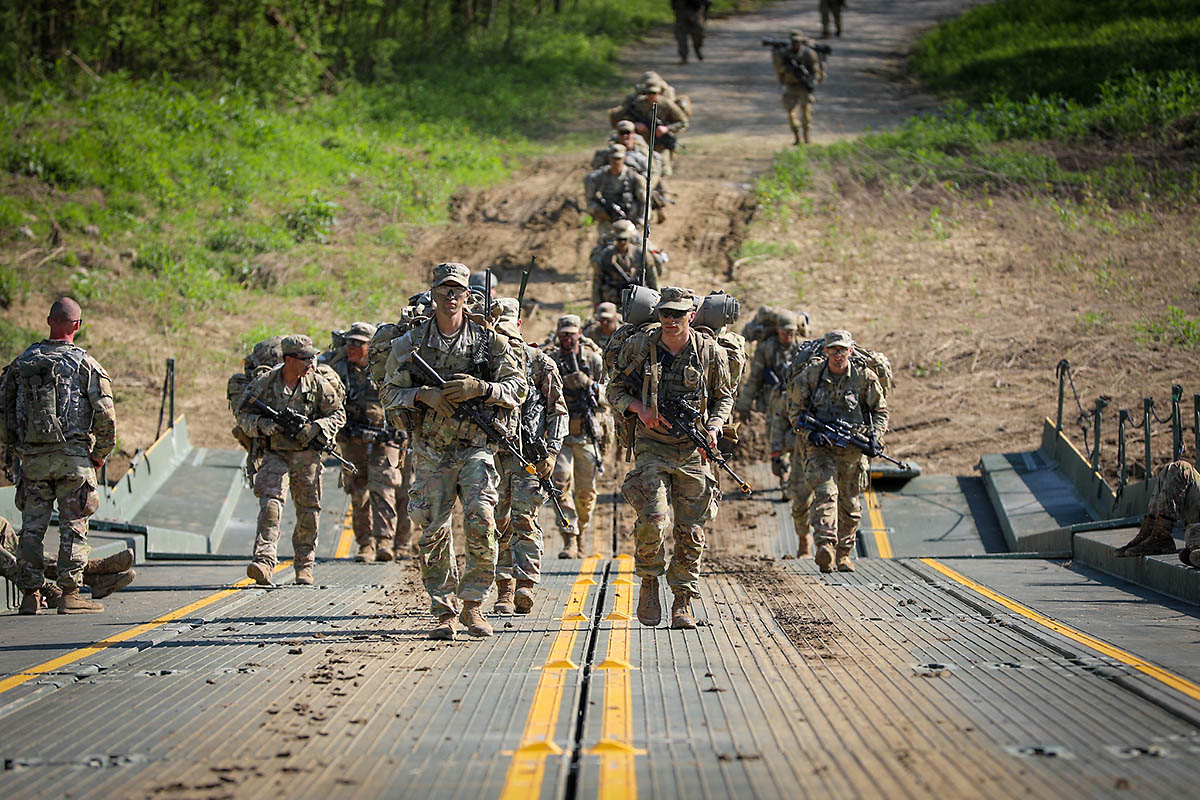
column 48, row 398
column 762, row 326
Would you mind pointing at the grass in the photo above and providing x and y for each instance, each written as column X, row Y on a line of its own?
column 1174, row 327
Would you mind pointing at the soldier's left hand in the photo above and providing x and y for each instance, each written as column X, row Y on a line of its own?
column 577, row 380
column 308, row 433
column 545, row 467
column 464, row 387
column 712, row 434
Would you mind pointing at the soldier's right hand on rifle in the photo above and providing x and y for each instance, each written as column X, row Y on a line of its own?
column 545, row 467
column 267, row 427
column 577, row 380
column 309, row 432
column 432, row 396
column 819, row 439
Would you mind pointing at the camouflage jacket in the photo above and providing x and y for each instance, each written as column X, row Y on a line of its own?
column 591, row 363
column 544, row 380
column 591, row 330
column 771, row 358
column 607, row 283
column 698, row 375
column 627, row 189
column 808, row 57
column 473, row 350
column 82, row 421
column 669, row 113
column 316, row 396
column 855, row 396
column 362, row 397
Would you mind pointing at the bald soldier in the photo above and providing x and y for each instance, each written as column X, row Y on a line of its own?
column 57, row 413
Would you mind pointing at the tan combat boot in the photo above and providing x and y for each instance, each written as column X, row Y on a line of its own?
column 804, row 547
column 681, row 613
column 72, row 602
column 444, row 630
column 504, row 597
column 259, row 572
column 473, row 618
column 304, row 576
column 110, row 565
column 383, row 551
column 844, row 564
column 31, row 603
column 50, row 594
column 104, row 585
column 570, row 546
column 366, row 551
column 824, row 557
column 524, row 598
column 649, row 610
column 1153, row 538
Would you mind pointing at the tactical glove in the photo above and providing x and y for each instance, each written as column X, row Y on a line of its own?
column 545, row 467
column 267, row 427
column 464, row 387
column 819, row 439
column 577, row 380
column 435, row 398
column 309, row 432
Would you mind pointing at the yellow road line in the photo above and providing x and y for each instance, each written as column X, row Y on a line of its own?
column 347, row 537
column 528, row 768
column 618, row 780
column 117, row 638
column 1176, row 682
column 882, row 543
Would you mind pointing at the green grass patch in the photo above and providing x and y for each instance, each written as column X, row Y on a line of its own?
column 1175, row 327
column 14, row 339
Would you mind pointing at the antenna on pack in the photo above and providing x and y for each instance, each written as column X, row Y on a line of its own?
column 525, row 282
column 649, row 170
column 487, row 294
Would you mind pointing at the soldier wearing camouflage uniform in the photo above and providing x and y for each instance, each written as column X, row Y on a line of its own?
column 637, row 151
column 618, row 266
column 689, row 23
column 56, row 411
column 762, row 387
column 452, row 458
column 296, row 385
column 543, row 424
column 671, row 118
column 582, row 368
column 263, row 356
column 797, row 97
column 619, row 186
column 601, row 327
column 372, row 447
column 1175, row 497
column 102, row 575
column 833, row 388
column 669, row 475
column 831, row 8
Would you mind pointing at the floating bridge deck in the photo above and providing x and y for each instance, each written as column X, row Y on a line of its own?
column 945, row 666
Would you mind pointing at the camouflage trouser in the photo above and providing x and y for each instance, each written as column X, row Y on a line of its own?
column 689, row 24
column 800, row 490
column 372, row 489
column 836, row 477
column 829, row 7
column 71, row 482
column 1177, row 493
column 576, row 465
column 520, row 536
column 797, row 102
column 302, row 470
column 668, row 478
column 467, row 473
column 404, row 526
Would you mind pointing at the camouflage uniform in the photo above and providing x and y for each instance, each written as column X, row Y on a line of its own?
column 626, row 189
column 287, row 462
column 262, row 357
column 593, row 330
column 577, row 461
column 607, row 283
column 56, row 408
column 639, row 111
column 668, row 473
column 797, row 99
column 372, row 488
column 452, row 458
column 689, row 21
column 837, row 475
column 831, row 8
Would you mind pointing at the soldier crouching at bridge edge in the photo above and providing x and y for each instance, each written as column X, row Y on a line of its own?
column 475, row 370
column 296, row 411
column 834, row 390
column 657, row 372
column 1176, row 496
column 57, row 414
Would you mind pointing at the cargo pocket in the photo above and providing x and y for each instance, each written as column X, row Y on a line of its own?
column 84, row 501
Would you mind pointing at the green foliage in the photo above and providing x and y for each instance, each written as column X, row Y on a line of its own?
column 312, row 219
column 758, row 248
column 13, row 287
column 14, row 339
column 1175, row 327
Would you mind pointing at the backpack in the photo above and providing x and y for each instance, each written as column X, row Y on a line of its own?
column 812, row 349
column 762, row 326
column 49, row 401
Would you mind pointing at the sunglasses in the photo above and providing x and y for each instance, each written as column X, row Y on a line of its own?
column 671, row 313
column 450, row 294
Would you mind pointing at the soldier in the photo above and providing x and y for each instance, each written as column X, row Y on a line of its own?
column 771, row 359
column 671, row 120
column 689, row 21
column 658, row 257
column 834, row 8
column 102, row 575
column 262, row 357
column 543, row 423
column 675, row 363
column 618, row 266
column 799, row 68
column 57, row 413
column 582, row 368
column 831, row 389
column 451, row 456
column 614, row 192
column 295, row 386
column 1176, row 496
column 372, row 447
column 603, row 325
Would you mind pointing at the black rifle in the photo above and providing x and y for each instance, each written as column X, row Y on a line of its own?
column 614, row 210
column 770, row 376
column 683, row 419
column 372, row 434
column 292, row 423
column 472, row 411
column 587, row 400
column 793, row 64
column 839, row 433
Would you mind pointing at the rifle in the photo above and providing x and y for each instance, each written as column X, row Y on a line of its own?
column 799, row 70
column 683, row 419
column 471, row 411
column 372, row 434
column 614, row 210
column 840, row 434
column 292, row 422
column 590, row 407
column 649, row 167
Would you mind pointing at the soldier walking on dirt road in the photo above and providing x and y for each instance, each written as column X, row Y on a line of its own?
column 689, row 22
column 452, row 458
column 799, row 69
column 57, row 415
column 831, row 8
column 672, row 365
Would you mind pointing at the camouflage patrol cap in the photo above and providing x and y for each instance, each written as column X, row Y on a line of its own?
column 360, row 332
column 298, row 346
column 451, row 272
column 797, row 37
column 509, row 309
column 838, row 338
column 650, row 76
column 785, row 320
column 606, row 311
column 569, row 323
column 676, row 298
column 625, row 126
column 651, row 87
column 622, row 226
column 616, row 150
